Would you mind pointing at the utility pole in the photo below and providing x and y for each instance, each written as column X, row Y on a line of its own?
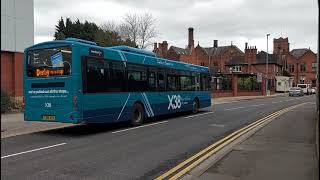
column 267, row 66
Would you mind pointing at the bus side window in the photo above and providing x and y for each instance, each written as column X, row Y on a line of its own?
column 205, row 82
column 161, row 81
column 152, row 83
column 196, row 81
column 116, row 81
column 96, row 74
column 137, row 78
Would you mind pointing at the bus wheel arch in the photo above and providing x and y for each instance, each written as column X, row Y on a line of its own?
column 138, row 113
column 195, row 105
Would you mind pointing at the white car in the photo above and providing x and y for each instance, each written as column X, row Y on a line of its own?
column 313, row 90
column 305, row 87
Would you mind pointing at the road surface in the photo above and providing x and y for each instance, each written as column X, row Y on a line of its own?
column 122, row 152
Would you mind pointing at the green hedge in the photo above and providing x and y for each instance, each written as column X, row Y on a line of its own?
column 6, row 103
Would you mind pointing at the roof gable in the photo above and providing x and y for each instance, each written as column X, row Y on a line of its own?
column 298, row 53
column 181, row 51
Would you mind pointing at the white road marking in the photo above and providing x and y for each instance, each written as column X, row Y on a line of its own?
column 234, row 108
column 290, row 99
column 199, row 114
column 33, row 150
column 217, row 125
column 276, row 101
column 123, row 130
column 258, row 105
column 223, row 102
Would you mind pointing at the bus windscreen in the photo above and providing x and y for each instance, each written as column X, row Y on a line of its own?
column 49, row 62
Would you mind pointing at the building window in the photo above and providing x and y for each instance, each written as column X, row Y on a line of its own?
column 215, row 63
column 202, row 63
column 236, row 69
column 302, row 79
column 303, row 68
column 291, row 68
column 314, row 67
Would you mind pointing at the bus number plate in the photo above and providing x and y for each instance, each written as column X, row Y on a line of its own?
column 48, row 117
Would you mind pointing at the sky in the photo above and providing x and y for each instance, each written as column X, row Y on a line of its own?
column 228, row 21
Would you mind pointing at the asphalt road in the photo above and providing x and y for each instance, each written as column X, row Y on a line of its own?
column 121, row 152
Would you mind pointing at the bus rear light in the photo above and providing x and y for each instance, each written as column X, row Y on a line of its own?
column 75, row 103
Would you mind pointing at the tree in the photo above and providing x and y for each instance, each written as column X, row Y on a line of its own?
column 131, row 27
column 103, row 36
column 147, row 30
column 140, row 29
column 60, row 30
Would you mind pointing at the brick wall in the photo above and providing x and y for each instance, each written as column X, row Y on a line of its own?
column 12, row 73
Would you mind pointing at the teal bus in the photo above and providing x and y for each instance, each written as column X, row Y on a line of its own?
column 77, row 81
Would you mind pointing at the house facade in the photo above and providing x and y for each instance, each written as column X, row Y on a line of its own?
column 301, row 64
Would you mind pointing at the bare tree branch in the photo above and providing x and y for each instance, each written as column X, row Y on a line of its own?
column 111, row 26
column 147, row 29
column 140, row 29
column 131, row 22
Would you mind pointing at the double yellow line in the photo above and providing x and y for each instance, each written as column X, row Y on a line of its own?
column 187, row 165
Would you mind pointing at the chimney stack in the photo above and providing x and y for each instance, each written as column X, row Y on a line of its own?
column 190, row 38
column 215, row 43
column 165, row 46
column 155, row 46
column 246, row 45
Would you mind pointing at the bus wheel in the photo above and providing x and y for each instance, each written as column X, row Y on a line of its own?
column 137, row 114
column 195, row 106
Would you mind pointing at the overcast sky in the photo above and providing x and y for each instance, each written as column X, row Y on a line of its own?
column 238, row 21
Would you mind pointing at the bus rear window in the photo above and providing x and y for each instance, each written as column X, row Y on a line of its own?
column 49, row 62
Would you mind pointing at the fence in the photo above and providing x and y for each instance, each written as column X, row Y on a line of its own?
column 223, row 82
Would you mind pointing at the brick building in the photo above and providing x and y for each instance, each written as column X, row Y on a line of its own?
column 297, row 63
column 17, row 33
column 254, row 62
column 214, row 57
column 301, row 63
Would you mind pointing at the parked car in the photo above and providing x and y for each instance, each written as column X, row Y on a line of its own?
column 296, row 91
column 305, row 87
column 313, row 90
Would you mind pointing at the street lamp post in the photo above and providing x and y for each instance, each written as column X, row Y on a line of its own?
column 267, row 66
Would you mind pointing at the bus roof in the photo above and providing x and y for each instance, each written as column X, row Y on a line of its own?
column 148, row 58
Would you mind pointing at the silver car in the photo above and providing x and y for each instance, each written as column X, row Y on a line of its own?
column 296, row 91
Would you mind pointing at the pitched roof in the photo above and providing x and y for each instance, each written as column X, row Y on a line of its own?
column 297, row 53
column 211, row 51
column 220, row 50
column 237, row 60
column 181, row 50
column 262, row 57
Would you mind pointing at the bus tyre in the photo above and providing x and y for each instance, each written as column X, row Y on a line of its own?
column 195, row 106
column 137, row 115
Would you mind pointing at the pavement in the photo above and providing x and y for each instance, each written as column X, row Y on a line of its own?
column 119, row 151
column 285, row 149
column 221, row 100
column 13, row 124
